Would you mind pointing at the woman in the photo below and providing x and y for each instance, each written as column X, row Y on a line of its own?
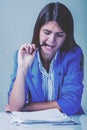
column 48, row 73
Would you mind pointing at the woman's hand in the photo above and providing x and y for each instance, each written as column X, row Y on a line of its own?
column 26, row 55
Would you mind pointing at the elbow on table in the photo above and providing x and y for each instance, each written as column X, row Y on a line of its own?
column 10, row 107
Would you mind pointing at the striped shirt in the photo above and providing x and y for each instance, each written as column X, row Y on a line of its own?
column 48, row 80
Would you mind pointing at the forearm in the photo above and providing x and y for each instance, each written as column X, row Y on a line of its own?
column 17, row 97
column 41, row 106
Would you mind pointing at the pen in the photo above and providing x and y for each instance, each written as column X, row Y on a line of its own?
column 44, row 44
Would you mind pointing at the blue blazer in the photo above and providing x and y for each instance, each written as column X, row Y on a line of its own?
column 68, row 76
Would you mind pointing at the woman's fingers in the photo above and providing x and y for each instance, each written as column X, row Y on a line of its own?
column 24, row 48
column 28, row 48
column 31, row 48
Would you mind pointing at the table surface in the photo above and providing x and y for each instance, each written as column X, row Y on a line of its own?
column 5, row 124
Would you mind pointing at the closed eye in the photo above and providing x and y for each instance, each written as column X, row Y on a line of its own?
column 47, row 32
column 60, row 34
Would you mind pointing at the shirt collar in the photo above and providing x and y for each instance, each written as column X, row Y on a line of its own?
column 53, row 60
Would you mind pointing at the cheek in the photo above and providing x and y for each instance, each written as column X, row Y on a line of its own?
column 60, row 42
column 41, row 37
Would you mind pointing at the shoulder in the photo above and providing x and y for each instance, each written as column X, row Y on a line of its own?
column 15, row 55
column 73, row 57
column 74, row 53
column 75, row 50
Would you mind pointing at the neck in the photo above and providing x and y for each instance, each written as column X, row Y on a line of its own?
column 46, row 65
column 46, row 60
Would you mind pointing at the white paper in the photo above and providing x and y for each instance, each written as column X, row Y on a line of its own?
column 43, row 116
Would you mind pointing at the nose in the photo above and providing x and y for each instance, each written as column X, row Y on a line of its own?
column 52, row 38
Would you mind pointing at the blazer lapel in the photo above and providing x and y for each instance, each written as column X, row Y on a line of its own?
column 37, row 81
column 57, row 75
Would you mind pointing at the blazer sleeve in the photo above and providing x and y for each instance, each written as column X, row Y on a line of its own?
column 71, row 83
column 13, row 77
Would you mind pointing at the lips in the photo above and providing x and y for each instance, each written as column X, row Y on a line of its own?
column 49, row 48
column 50, row 45
column 45, row 44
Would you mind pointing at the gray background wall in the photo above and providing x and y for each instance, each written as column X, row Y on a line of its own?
column 17, row 18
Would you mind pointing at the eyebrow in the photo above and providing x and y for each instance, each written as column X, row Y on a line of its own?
column 46, row 30
column 51, row 31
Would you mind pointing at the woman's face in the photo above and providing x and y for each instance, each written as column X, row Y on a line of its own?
column 51, row 34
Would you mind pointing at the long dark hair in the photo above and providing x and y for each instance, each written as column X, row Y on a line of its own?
column 59, row 13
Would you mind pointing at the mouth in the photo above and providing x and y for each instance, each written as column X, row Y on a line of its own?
column 45, row 44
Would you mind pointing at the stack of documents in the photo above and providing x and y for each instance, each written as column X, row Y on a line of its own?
column 53, row 116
